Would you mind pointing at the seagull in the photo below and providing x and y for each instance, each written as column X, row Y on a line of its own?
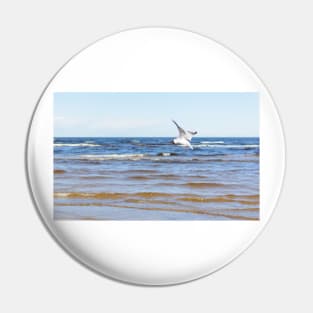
column 184, row 137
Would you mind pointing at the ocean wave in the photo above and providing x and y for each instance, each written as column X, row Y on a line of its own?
column 138, row 177
column 111, row 195
column 161, row 176
column 127, row 156
column 76, row 145
column 209, row 142
column 103, row 157
column 189, row 197
column 203, row 185
column 57, row 171
column 167, row 154
column 203, row 145
column 159, row 158
column 225, row 213
column 222, row 199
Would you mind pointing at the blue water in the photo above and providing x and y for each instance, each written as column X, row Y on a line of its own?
column 152, row 179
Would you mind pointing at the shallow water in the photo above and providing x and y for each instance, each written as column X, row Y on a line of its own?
column 152, row 179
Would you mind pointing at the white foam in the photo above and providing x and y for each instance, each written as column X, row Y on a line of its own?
column 61, row 194
column 112, row 157
column 226, row 146
column 209, row 142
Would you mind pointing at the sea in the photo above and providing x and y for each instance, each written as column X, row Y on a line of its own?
column 150, row 178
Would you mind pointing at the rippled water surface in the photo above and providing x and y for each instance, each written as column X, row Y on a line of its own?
column 152, row 179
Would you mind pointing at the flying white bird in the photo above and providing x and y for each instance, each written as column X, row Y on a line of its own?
column 184, row 136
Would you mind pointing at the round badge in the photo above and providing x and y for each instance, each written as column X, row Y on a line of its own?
column 155, row 156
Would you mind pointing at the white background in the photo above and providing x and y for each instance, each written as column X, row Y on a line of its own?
column 37, row 37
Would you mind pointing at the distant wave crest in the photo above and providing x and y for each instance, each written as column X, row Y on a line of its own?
column 103, row 157
column 126, row 156
column 76, row 145
column 209, row 142
column 209, row 145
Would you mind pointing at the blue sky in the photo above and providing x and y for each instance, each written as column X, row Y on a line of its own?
column 97, row 114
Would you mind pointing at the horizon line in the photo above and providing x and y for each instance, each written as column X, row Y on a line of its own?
column 153, row 137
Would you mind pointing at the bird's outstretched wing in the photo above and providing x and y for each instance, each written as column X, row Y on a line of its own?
column 192, row 133
column 184, row 134
column 181, row 131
